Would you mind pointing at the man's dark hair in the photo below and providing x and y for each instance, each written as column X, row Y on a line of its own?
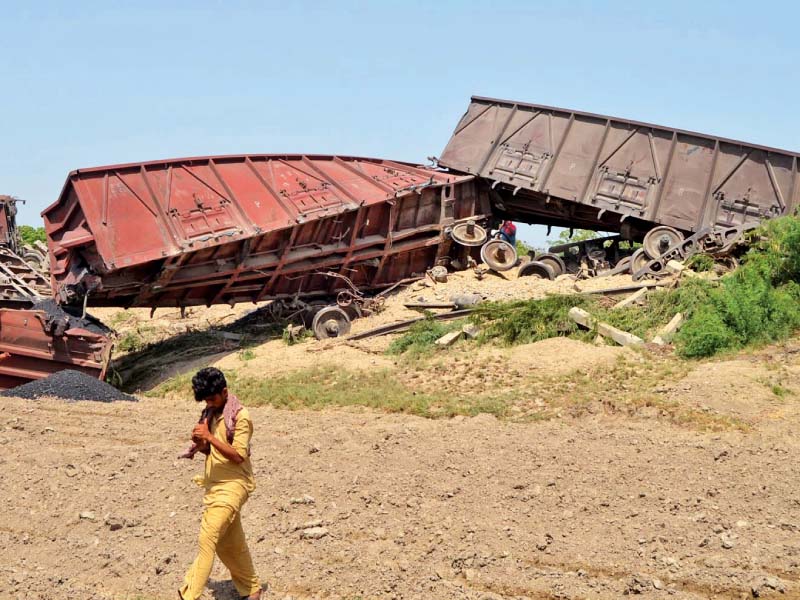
column 207, row 382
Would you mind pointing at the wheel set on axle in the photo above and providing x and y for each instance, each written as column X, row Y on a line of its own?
column 663, row 244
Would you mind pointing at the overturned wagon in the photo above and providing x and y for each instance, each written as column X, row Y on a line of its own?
column 43, row 339
column 677, row 191
column 37, row 337
column 210, row 230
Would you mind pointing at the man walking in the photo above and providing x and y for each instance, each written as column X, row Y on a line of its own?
column 223, row 435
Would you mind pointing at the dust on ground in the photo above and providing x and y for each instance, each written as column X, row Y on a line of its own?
column 98, row 507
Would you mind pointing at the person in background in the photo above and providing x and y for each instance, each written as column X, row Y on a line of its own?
column 508, row 232
column 223, row 435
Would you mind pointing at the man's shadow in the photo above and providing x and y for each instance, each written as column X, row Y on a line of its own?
column 225, row 590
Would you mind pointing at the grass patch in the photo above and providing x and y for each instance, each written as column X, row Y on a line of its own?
column 701, row 263
column 629, row 386
column 118, row 318
column 632, row 384
column 319, row 388
column 779, row 390
column 526, row 321
column 135, row 340
column 246, row 354
column 420, row 340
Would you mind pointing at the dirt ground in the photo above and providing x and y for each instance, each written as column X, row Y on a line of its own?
column 97, row 506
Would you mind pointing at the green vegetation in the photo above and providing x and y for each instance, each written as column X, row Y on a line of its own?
column 645, row 321
column 757, row 304
column 523, row 248
column 578, row 235
column 779, row 390
column 526, row 321
column 292, row 336
column 134, row 341
column 701, row 263
column 321, row 387
column 29, row 234
column 627, row 387
column 247, row 354
column 419, row 340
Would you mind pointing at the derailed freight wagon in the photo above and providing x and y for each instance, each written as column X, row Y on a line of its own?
column 228, row 229
column 37, row 337
column 677, row 191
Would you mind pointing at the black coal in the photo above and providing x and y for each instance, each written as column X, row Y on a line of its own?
column 69, row 385
column 70, row 317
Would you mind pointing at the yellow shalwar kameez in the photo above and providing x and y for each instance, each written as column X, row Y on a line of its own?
column 227, row 486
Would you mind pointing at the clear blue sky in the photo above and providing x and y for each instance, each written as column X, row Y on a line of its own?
column 90, row 83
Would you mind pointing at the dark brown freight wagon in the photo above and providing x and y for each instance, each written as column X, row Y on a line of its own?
column 678, row 191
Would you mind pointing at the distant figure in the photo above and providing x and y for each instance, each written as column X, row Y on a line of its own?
column 508, row 232
column 223, row 435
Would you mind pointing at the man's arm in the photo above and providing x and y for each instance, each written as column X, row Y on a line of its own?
column 203, row 446
column 202, row 432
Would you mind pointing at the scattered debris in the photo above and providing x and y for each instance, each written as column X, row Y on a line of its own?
column 304, row 499
column 438, row 274
column 63, row 318
column 623, row 338
column 114, row 523
column 673, row 266
column 406, row 325
column 764, row 585
column 313, row 533
column 471, row 331
column 632, row 299
column 665, row 334
column 448, row 339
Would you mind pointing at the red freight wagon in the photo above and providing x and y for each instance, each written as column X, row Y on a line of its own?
column 227, row 229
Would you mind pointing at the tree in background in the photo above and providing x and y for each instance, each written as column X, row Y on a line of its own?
column 578, row 235
column 29, row 234
column 523, row 248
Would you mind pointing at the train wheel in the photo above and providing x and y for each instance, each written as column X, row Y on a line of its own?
column 660, row 239
column 499, row 255
column 330, row 322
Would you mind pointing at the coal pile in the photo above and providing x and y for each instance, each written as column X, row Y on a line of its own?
column 69, row 385
column 69, row 317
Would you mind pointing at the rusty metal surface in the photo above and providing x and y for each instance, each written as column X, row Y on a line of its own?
column 563, row 167
column 229, row 229
column 37, row 338
column 33, row 346
column 8, row 222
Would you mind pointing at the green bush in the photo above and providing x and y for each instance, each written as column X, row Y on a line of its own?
column 701, row 263
column 526, row 321
column 756, row 304
column 421, row 337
